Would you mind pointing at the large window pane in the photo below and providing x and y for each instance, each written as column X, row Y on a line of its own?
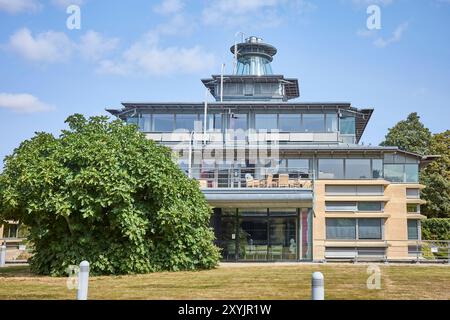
column 266, row 122
column 253, row 235
column 331, row 124
column 370, row 206
column 163, row 122
column 213, row 122
column 377, row 168
column 394, row 172
column 369, row 229
column 283, row 238
column 313, row 122
column 412, row 172
column 340, row 206
column 298, row 168
column 347, row 125
column 341, row 229
column 413, row 230
column 331, row 168
column 290, row 122
column 238, row 121
column 145, row 124
column 357, row 169
column 185, row 121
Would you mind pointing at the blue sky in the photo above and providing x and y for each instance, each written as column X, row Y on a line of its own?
column 140, row 50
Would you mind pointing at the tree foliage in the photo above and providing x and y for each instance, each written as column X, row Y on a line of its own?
column 102, row 192
column 436, row 177
column 409, row 135
column 436, row 229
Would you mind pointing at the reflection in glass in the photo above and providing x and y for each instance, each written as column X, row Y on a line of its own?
column 394, row 172
column 412, row 172
column 344, row 229
column 266, row 121
column 163, row 122
column 331, row 122
column 331, row 168
column 313, row 122
column 290, row 122
column 185, row 121
column 377, row 168
column 369, row 229
column 357, row 169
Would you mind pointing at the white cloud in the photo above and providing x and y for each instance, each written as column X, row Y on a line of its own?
column 23, row 103
column 147, row 56
column 169, row 7
column 54, row 47
column 94, row 46
column 48, row 46
column 65, row 3
column 257, row 13
column 17, row 6
column 396, row 36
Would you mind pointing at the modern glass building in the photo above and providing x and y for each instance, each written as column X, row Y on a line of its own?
column 288, row 180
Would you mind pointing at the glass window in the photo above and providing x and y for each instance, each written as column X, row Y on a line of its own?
column 266, row 121
column 370, row 190
column 298, row 168
column 412, row 172
column 340, row 190
column 290, row 122
column 377, row 168
column 331, row 168
column 347, row 125
column 357, row 169
column 313, row 122
column 413, row 208
column 370, row 206
column 331, row 122
column 369, row 229
column 133, row 120
column 238, row 121
column 185, row 121
column 145, row 122
column 253, row 212
column 394, row 172
column 163, row 122
column 413, row 230
column 340, row 206
column 214, row 121
column 341, row 229
column 413, row 193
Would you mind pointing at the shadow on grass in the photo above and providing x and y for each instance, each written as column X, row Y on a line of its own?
column 16, row 272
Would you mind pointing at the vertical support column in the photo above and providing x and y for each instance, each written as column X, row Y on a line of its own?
column 83, row 281
column 317, row 286
column 2, row 255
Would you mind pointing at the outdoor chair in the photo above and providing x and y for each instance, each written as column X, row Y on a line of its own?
column 276, row 251
column 283, row 181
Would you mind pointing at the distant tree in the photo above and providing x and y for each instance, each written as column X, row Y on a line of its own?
column 436, row 177
column 102, row 192
column 409, row 135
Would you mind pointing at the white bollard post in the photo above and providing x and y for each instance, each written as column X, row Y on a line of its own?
column 83, row 281
column 2, row 256
column 317, row 286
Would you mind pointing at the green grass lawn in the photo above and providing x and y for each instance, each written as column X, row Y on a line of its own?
column 290, row 281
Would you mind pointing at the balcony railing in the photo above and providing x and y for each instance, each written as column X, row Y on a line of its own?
column 253, row 178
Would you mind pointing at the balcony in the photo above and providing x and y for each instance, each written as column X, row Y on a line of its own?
column 253, row 178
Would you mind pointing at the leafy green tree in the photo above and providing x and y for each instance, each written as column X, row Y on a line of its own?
column 409, row 135
column 102, row 192
column 436, row 177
